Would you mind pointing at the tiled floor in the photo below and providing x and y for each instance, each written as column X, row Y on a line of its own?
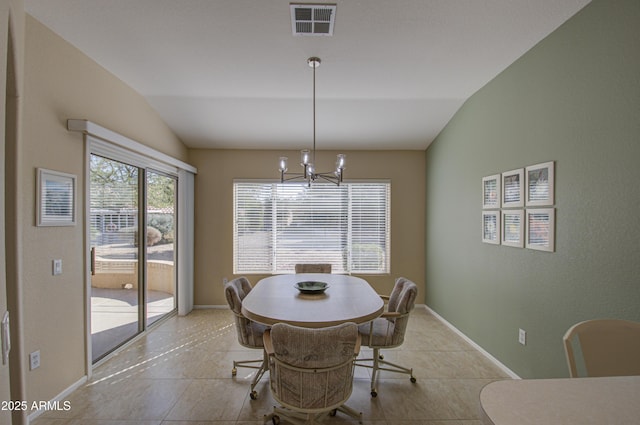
column 180, row 374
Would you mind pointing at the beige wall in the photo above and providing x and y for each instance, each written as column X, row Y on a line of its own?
column 214, row 210
column 62, row 83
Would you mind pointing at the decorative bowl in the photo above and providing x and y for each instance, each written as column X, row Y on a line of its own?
column 311, row 287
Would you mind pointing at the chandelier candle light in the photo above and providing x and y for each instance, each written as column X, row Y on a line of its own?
column 307, row 158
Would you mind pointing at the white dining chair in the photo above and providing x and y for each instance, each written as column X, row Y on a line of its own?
column 311, row 371
column 250, row 333
column 603, row 347
column 388, row 330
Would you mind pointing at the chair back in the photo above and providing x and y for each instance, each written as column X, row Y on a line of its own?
column 608, row 347
column 313, row 268
column 402, row 301
column 311, row 370
column 249, row 333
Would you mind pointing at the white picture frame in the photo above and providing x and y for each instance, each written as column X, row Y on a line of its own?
column 541, row 229
column 512, row 228
column 491, row 191
column 491, row 227
column 55, row 198
column 513, row 189
column 539, row 184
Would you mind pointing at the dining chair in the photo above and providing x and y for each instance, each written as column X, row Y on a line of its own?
column 250, row 333
column 313, row 268
column 388, row 330
column 311, row 371
column 603, row 347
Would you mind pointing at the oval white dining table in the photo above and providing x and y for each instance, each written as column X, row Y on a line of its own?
column 348, row 299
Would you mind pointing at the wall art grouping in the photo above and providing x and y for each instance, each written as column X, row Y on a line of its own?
column 517, row 208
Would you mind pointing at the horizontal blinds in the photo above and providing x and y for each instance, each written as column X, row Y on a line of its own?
column 370, row 228
column 279, row 225
column 311, row 226
column 252, row 228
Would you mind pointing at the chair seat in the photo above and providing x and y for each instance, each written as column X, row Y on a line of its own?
column 379, row 333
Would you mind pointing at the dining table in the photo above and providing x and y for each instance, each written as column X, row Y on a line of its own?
column 276, row 299
column 582, row 401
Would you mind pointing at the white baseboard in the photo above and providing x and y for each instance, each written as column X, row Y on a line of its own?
column 472, row 343
column 209, row 307
column 58, row 400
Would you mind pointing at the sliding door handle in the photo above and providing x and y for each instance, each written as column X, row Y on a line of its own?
column 93, row 261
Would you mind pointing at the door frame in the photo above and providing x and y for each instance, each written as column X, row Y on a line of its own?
column 108, row 143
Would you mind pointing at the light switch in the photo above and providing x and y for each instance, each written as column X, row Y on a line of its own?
column 57, row 267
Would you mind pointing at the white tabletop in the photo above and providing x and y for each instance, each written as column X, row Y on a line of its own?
column 580, row 401
column 348, row 299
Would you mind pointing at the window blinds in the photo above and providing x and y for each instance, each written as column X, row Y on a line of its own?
column 279, row 225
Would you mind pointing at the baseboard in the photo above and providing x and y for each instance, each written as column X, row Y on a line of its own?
column 471, row 342
column 58, row 401
column 210, row 307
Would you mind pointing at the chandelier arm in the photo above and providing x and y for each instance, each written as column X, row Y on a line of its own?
column 329, row 178
column 293, row 176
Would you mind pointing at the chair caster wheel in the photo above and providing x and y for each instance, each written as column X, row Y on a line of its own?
column 333, row 412
column 234, row 371
column 381, row 357
column 374, row 393
column 253, row 395
column 275, row 420
column 413, row 380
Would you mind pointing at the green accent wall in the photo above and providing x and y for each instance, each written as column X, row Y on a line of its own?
column 574, row 99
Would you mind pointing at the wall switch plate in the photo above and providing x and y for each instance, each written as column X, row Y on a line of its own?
column 57, row 267
column 522, row 336
column 34, row 360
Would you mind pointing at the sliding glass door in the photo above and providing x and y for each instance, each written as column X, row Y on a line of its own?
column 161, row 252
column 132, row 232
column 115, row 252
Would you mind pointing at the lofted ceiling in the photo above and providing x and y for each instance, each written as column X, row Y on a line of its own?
column 229, row 74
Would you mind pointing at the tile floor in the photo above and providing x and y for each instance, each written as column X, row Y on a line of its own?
column 180, row 374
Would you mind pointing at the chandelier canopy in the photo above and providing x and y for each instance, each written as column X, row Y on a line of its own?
column 307, row 158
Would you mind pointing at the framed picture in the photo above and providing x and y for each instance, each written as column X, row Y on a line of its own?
column 539, row 183
column 491, row 191
column 513, row 228
column 55, row 198
column 541, row 229
column 512, row 188
column 491, row 227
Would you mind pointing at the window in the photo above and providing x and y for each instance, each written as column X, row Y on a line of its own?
column 278, row 225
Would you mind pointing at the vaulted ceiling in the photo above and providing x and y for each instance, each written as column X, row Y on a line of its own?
column 231, row 74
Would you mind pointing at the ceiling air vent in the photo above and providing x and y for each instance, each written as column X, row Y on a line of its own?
column 313, row 19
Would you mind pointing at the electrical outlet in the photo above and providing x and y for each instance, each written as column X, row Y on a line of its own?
column 34, row 360
column 522, row 336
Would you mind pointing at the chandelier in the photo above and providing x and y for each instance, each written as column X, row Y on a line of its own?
column 307, row 158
